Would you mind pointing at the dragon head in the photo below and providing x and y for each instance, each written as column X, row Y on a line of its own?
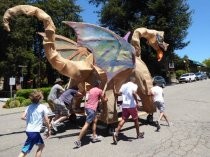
column 154, row 38
column 158, row 44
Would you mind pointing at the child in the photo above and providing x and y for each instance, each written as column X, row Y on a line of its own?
column 129, row 107
column 95, row 94
column 35, row 115
column 157, row 93
column 64, row 101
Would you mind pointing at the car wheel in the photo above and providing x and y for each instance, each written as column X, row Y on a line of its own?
column 163, row 85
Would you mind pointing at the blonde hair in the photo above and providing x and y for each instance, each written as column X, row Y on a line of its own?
column 36, row 96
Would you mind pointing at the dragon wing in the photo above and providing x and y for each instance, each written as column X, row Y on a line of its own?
column 111, row 52
column 66, row 47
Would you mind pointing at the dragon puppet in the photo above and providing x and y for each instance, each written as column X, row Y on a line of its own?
column 98, row 54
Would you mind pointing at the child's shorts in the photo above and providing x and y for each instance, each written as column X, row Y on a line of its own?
column 160, row 106
column 61, row 109
column 126, row 112
column 91, row 114
column 33, row 138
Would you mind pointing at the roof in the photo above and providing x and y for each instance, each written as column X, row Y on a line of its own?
column 197, row 63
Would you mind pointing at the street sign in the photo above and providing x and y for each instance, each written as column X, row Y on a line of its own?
column 11, row 81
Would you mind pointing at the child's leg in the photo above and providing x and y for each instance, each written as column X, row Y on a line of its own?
column 164, row 115
column 94, row 126
column 61, row 119
column 161, row 115
column 39, row 150
column 136, row 124
column 120, row 125
column 83, row 130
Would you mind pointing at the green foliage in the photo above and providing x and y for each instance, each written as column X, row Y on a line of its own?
column 22, row 98
column 26, row 92
column 26, row 102
column 12, row 103
column 207, row 62
column 22, row 46
column 45, row 92
column 179, row 73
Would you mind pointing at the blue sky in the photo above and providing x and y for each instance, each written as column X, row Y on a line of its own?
column 198, row 33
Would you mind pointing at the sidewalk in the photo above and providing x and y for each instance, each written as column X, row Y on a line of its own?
column 5, row 111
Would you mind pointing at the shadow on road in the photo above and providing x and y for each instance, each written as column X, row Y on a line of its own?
column 17, row 132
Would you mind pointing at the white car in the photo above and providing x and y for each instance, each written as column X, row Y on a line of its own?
column 188, row 77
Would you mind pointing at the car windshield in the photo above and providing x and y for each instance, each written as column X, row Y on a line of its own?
column 185, row 75
column 198, row 73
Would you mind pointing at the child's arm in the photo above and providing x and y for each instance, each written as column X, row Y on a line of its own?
column 79, row 94
column 135, row 96
column 104, row 98
column 23, row 117
column 47, row 123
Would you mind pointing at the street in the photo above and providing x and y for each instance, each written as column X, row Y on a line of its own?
column 187, row 106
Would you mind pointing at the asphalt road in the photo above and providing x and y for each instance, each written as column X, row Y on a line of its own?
column 188, row 108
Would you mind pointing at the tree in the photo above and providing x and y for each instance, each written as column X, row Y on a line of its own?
column 15, row 47
column 207, row 62
column 22, row 46
column 173, row 17
column 63, row 10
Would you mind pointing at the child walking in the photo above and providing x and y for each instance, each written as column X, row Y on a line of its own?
column 157, row 93
column 35, row 115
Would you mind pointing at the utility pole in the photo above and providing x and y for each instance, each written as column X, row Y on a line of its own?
column 21, row 79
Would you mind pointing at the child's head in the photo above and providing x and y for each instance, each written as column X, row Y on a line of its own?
column 36, row 96
column 154, row 83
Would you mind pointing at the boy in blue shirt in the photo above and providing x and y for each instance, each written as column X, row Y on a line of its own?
column 35, row 114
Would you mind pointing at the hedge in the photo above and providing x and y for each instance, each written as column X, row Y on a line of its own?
column 22, row 98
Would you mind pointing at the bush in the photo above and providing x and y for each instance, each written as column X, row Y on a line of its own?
column 179, row 73
column 12, row 103
column 45, row 92
column 22, row 98
column 25, row 92
column 26, row 102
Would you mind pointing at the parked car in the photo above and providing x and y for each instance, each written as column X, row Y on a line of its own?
column 199, row 76
column 208, row 75
column 204, row 75
column 188, row 77
column 160, row 81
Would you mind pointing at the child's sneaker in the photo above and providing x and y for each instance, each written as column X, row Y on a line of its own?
column 158, row 126
column 96, row 138
column 78, row 144
column 141, row 135
column 115, row 137
column 170, row 124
